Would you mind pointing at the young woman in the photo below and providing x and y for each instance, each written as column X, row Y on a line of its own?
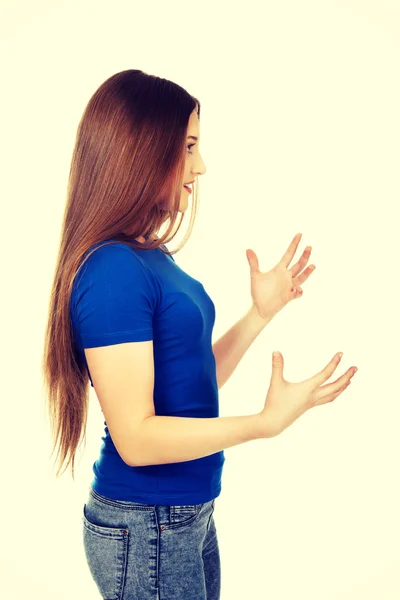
column 126, row 318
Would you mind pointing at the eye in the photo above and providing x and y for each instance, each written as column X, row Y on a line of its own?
column 190, row 146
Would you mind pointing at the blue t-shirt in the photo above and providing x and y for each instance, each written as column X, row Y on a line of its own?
column 123, row 294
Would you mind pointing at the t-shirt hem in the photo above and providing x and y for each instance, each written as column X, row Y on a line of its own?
column 139, row 335
column 152, row 498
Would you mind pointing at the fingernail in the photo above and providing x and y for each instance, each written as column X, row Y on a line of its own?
column 340, row 354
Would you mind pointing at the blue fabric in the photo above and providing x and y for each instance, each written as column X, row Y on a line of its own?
column 123, row 294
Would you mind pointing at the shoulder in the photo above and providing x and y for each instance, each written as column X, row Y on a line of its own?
column 111, row 255
column 114, row 268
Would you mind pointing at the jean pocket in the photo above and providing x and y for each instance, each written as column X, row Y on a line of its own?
column 184, row 514
column 106, row 550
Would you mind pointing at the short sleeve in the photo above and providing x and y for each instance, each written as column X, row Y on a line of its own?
column 115, row 298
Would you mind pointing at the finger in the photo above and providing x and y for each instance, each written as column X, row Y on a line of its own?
column 331, row 397
column 319, row 378
column 296, row 292
column 336, row 386
column 253, row 261
column 300, row 279
column 291, row 251
column 301, row 263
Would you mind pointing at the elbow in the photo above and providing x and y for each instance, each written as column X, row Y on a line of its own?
column 134, row 461
column 129, row 459
column 134, row 458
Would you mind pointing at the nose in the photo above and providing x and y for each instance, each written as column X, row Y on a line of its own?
column 199, row 168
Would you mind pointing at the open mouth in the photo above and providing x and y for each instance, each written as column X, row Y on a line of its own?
column 188, row 189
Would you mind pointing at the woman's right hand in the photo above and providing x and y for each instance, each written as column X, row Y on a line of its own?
column 287, row 401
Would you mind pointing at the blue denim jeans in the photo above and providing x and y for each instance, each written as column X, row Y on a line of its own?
column 151, row 552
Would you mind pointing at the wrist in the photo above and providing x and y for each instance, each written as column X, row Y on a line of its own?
column 256, row 318
column 265, row 426
column 260, row 427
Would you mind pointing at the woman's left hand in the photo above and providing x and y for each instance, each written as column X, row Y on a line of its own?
column 271, row 291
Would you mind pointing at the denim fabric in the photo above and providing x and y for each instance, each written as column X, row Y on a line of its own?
column 151, row 552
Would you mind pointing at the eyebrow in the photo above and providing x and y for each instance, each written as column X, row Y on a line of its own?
column 193, row 137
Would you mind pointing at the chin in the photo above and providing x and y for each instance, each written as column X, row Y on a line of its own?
column 183, row 205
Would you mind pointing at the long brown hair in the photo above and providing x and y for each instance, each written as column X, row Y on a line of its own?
column 125, row 181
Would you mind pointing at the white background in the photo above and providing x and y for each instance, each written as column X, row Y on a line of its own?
column 300, row 129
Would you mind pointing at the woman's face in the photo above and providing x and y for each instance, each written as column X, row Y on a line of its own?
column 194, row 163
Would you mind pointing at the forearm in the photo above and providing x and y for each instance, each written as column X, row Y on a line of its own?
column 231, row 347
column 162, row 439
